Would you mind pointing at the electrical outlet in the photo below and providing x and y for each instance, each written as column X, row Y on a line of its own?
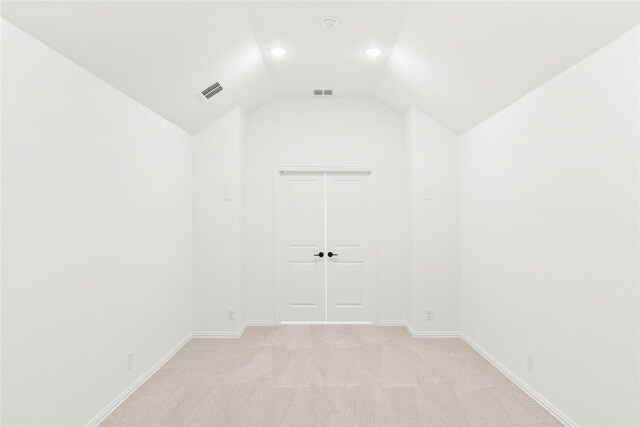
column 429, row 314
column 231, row 314
column 529, row 362
column 130, row 360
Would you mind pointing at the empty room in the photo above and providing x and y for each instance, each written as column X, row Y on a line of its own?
column 320, row 213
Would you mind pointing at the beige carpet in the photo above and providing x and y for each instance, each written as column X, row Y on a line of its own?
column 321, row 375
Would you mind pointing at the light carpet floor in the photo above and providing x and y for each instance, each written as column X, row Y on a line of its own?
column 328, row 375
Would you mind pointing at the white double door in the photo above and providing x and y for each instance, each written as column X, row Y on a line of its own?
column 326, row 264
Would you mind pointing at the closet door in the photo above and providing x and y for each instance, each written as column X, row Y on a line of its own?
column 351, row 216
column 300, row 266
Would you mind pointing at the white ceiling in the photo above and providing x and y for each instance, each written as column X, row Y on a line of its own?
column 462, row 62
column 159, row 53
column 326, row 59
column 459, row 62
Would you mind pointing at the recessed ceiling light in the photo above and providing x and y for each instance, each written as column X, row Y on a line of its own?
column 373, row 51
column 278, row 51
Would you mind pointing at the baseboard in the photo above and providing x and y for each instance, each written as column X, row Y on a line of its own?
column 219, row 334
column 564, row 419
column 261, row 323
column 521, row 384
column 235, row 334
column 435, row 334
column 326, row 323
column 391, row 323
column 432, row 334
column 416, row 334
column 133, row 387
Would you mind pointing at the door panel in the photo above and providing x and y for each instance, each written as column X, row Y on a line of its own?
column 346, row 197
column 351, row 210
column 300, row 276
column 349, row 275
column 304, row 214
column 304, row 284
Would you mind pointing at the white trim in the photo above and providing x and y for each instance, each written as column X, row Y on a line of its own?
column 261, row 323
column 224, row 334
column 217, row 334
column 276, row 256
column 391, row 323
column 435, row 334
column 102, row 415
column 326, row 323
column 564, row 419
column 416, row 334
column 353, row 169
column 432, row 334
column 326, row 248
column 237, row 334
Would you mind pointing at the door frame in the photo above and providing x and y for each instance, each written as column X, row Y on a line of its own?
column 277, row 172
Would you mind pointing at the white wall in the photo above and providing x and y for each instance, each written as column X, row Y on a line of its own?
column 432, row 163
column 242, row 232
column 217, row 273
column 549, row 215
column 97, row 217
column 409, row 119
column 325, row 132
column 96, row 222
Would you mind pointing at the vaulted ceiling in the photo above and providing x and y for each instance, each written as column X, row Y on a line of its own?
column 459, row 62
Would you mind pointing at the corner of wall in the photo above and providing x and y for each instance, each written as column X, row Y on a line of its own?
column 409, row 136
column 242, row 266
column 218, row 226
column 433, row 225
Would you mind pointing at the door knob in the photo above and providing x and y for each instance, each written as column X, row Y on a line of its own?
column 331, row 254
column 320, row 254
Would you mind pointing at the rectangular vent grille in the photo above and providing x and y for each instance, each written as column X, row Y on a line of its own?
column 211, row 90
column 323, row 92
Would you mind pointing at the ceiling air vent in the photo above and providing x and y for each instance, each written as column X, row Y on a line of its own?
column 323, row 92
column 211, row 90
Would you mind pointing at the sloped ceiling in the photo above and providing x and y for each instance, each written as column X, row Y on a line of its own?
column 162, row 54
column 459, row 62
column 462, row 62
